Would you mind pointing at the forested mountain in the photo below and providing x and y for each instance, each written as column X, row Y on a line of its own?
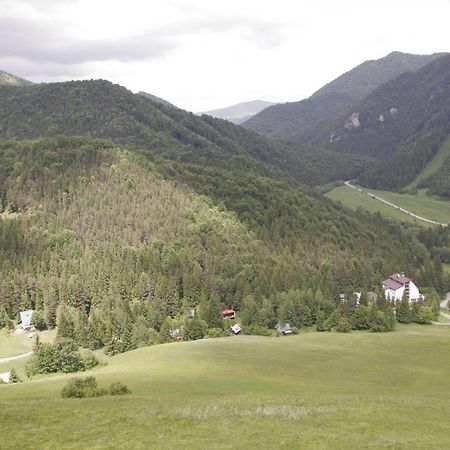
column 240, row 112
column 403, row 123
column 103, row 110
column 115, row 245
column 7, row 79
column 299, row 121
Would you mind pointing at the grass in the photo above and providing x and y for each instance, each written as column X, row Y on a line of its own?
column 14, row 344
column 420, row 203
column 433, row 165
column 311, row 391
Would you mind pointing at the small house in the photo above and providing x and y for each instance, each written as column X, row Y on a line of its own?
column 236, row 329
column 229, row 314
column 25, row 320
column 397, row 285
column 284, row 328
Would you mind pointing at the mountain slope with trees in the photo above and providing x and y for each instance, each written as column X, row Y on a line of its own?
column 403, row 123
column 117, row 247
column 298, row 121
column 101, row 109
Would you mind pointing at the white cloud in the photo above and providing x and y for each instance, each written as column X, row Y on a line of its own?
column 201, row 54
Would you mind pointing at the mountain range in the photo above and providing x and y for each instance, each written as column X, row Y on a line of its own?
column 297, row 121
column 240, row 112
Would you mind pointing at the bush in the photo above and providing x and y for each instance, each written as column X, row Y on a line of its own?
column 256, row 330
column 62, row 356
column 88, row 388
column 82, row 388
column 216, row 333
column 119, row 388
column 13, row 377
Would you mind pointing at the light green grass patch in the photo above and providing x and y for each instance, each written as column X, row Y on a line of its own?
column 12, row 344
column 420, row 203
column 311, row 391
column 433, row 165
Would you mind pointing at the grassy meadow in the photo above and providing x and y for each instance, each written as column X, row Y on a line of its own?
column 420, row 203
column 311, row 391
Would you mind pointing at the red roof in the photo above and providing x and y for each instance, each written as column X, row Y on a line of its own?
column 228, row 311
column 396, row 281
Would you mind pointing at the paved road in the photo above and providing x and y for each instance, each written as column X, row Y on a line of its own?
column 410, row 213
column 12, row 358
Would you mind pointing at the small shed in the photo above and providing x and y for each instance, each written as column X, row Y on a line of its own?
column 229, row 314
column 284, row 328
column 25, row 319
column 236, row 329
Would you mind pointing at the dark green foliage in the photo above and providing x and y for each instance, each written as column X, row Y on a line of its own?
column 103, row 110
column 119, row 388
column 195, row 329
column 210, row 311
column 82, row 388
column 62, row 356
column 361, row 319
column 13, row 377
column 5, row 321
column 403, row 311
column 299, row 121
column 421, row 313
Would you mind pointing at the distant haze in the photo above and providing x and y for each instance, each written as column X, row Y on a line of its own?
column 241, row 112
column 201, row 55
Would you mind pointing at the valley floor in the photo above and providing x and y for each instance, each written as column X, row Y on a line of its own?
column 310, row 391
column 419, row 208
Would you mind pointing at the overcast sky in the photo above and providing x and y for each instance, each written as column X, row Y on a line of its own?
column 204, row 54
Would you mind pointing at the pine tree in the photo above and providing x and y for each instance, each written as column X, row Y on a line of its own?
column 13, row 377
column 403, row 311
column 210, row 311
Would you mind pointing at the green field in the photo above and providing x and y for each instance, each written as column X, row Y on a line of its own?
column 311, row 391
column 421, row 204
column 11, row 345
column 433, row 165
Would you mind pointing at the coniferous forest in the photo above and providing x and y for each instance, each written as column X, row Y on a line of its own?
column 119, row 249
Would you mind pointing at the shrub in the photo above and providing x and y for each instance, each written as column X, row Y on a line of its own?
column 216, row 332
column 82, row 388
column 88, row 388
column 62, row 356
column 119, row 388
column 13, row 377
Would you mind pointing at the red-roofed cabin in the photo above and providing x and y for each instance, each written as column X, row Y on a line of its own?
column 228, row 313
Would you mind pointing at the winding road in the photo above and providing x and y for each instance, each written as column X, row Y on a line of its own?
column 399, row 208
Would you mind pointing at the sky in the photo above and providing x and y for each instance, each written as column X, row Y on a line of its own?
column 206, row 54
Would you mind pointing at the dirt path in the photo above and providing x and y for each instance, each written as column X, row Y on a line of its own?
column 12, row 358
column 399, row 208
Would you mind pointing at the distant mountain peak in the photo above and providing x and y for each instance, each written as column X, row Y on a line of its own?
column 8, row 79
column 239, row 112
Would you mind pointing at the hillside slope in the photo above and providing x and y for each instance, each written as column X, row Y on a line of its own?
column 298, row 121
column 404, row 122
column 103, row 110
column 7, row 79
column 99, row 232
column 315, row 389
column 240, row 112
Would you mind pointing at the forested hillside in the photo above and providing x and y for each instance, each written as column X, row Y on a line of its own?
column 103, row 110
column 108, row 243
column 404, row 122
column 300, row 121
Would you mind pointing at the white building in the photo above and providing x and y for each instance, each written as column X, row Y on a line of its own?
column 25, row 319
column 397, row 284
